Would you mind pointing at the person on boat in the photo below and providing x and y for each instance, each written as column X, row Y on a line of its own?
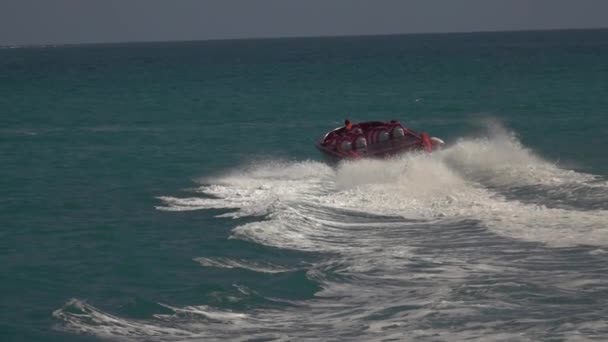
column 347, row 125
column 350, row 129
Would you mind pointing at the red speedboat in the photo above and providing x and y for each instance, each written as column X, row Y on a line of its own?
column 375, row 139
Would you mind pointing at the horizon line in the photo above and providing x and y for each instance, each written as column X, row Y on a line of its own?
column 371, row 35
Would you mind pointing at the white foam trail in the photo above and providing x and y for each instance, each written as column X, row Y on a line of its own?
column 204, row 311
column 444, row 185
column 256, row 190
column 80, row 317
column 242, row 264
column 385, row 276
column 426, row 187
column 195, row 203
column 598, row 251
column 503, row 161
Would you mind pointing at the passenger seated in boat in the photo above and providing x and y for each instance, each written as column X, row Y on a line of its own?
column 350, row 128
column 347, row 126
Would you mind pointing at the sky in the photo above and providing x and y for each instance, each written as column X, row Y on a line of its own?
column 24, row 22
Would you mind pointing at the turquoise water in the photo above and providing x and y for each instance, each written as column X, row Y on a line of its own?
column 172, row 191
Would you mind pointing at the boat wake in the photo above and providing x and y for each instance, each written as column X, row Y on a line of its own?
column 477, row 241
column 474, row 179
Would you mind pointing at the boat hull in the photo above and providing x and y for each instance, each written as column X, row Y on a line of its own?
column 380, row 150
column 374, row 140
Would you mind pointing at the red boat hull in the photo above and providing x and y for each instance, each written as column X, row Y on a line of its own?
column 374, row 140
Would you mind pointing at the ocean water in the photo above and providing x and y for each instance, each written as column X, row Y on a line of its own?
column 172, row 191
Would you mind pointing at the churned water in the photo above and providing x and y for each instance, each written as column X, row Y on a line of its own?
column 172, row 191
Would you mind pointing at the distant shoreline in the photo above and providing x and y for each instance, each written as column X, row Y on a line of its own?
column 303, row 37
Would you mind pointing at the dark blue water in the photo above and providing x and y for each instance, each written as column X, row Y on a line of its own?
column 172, row 191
